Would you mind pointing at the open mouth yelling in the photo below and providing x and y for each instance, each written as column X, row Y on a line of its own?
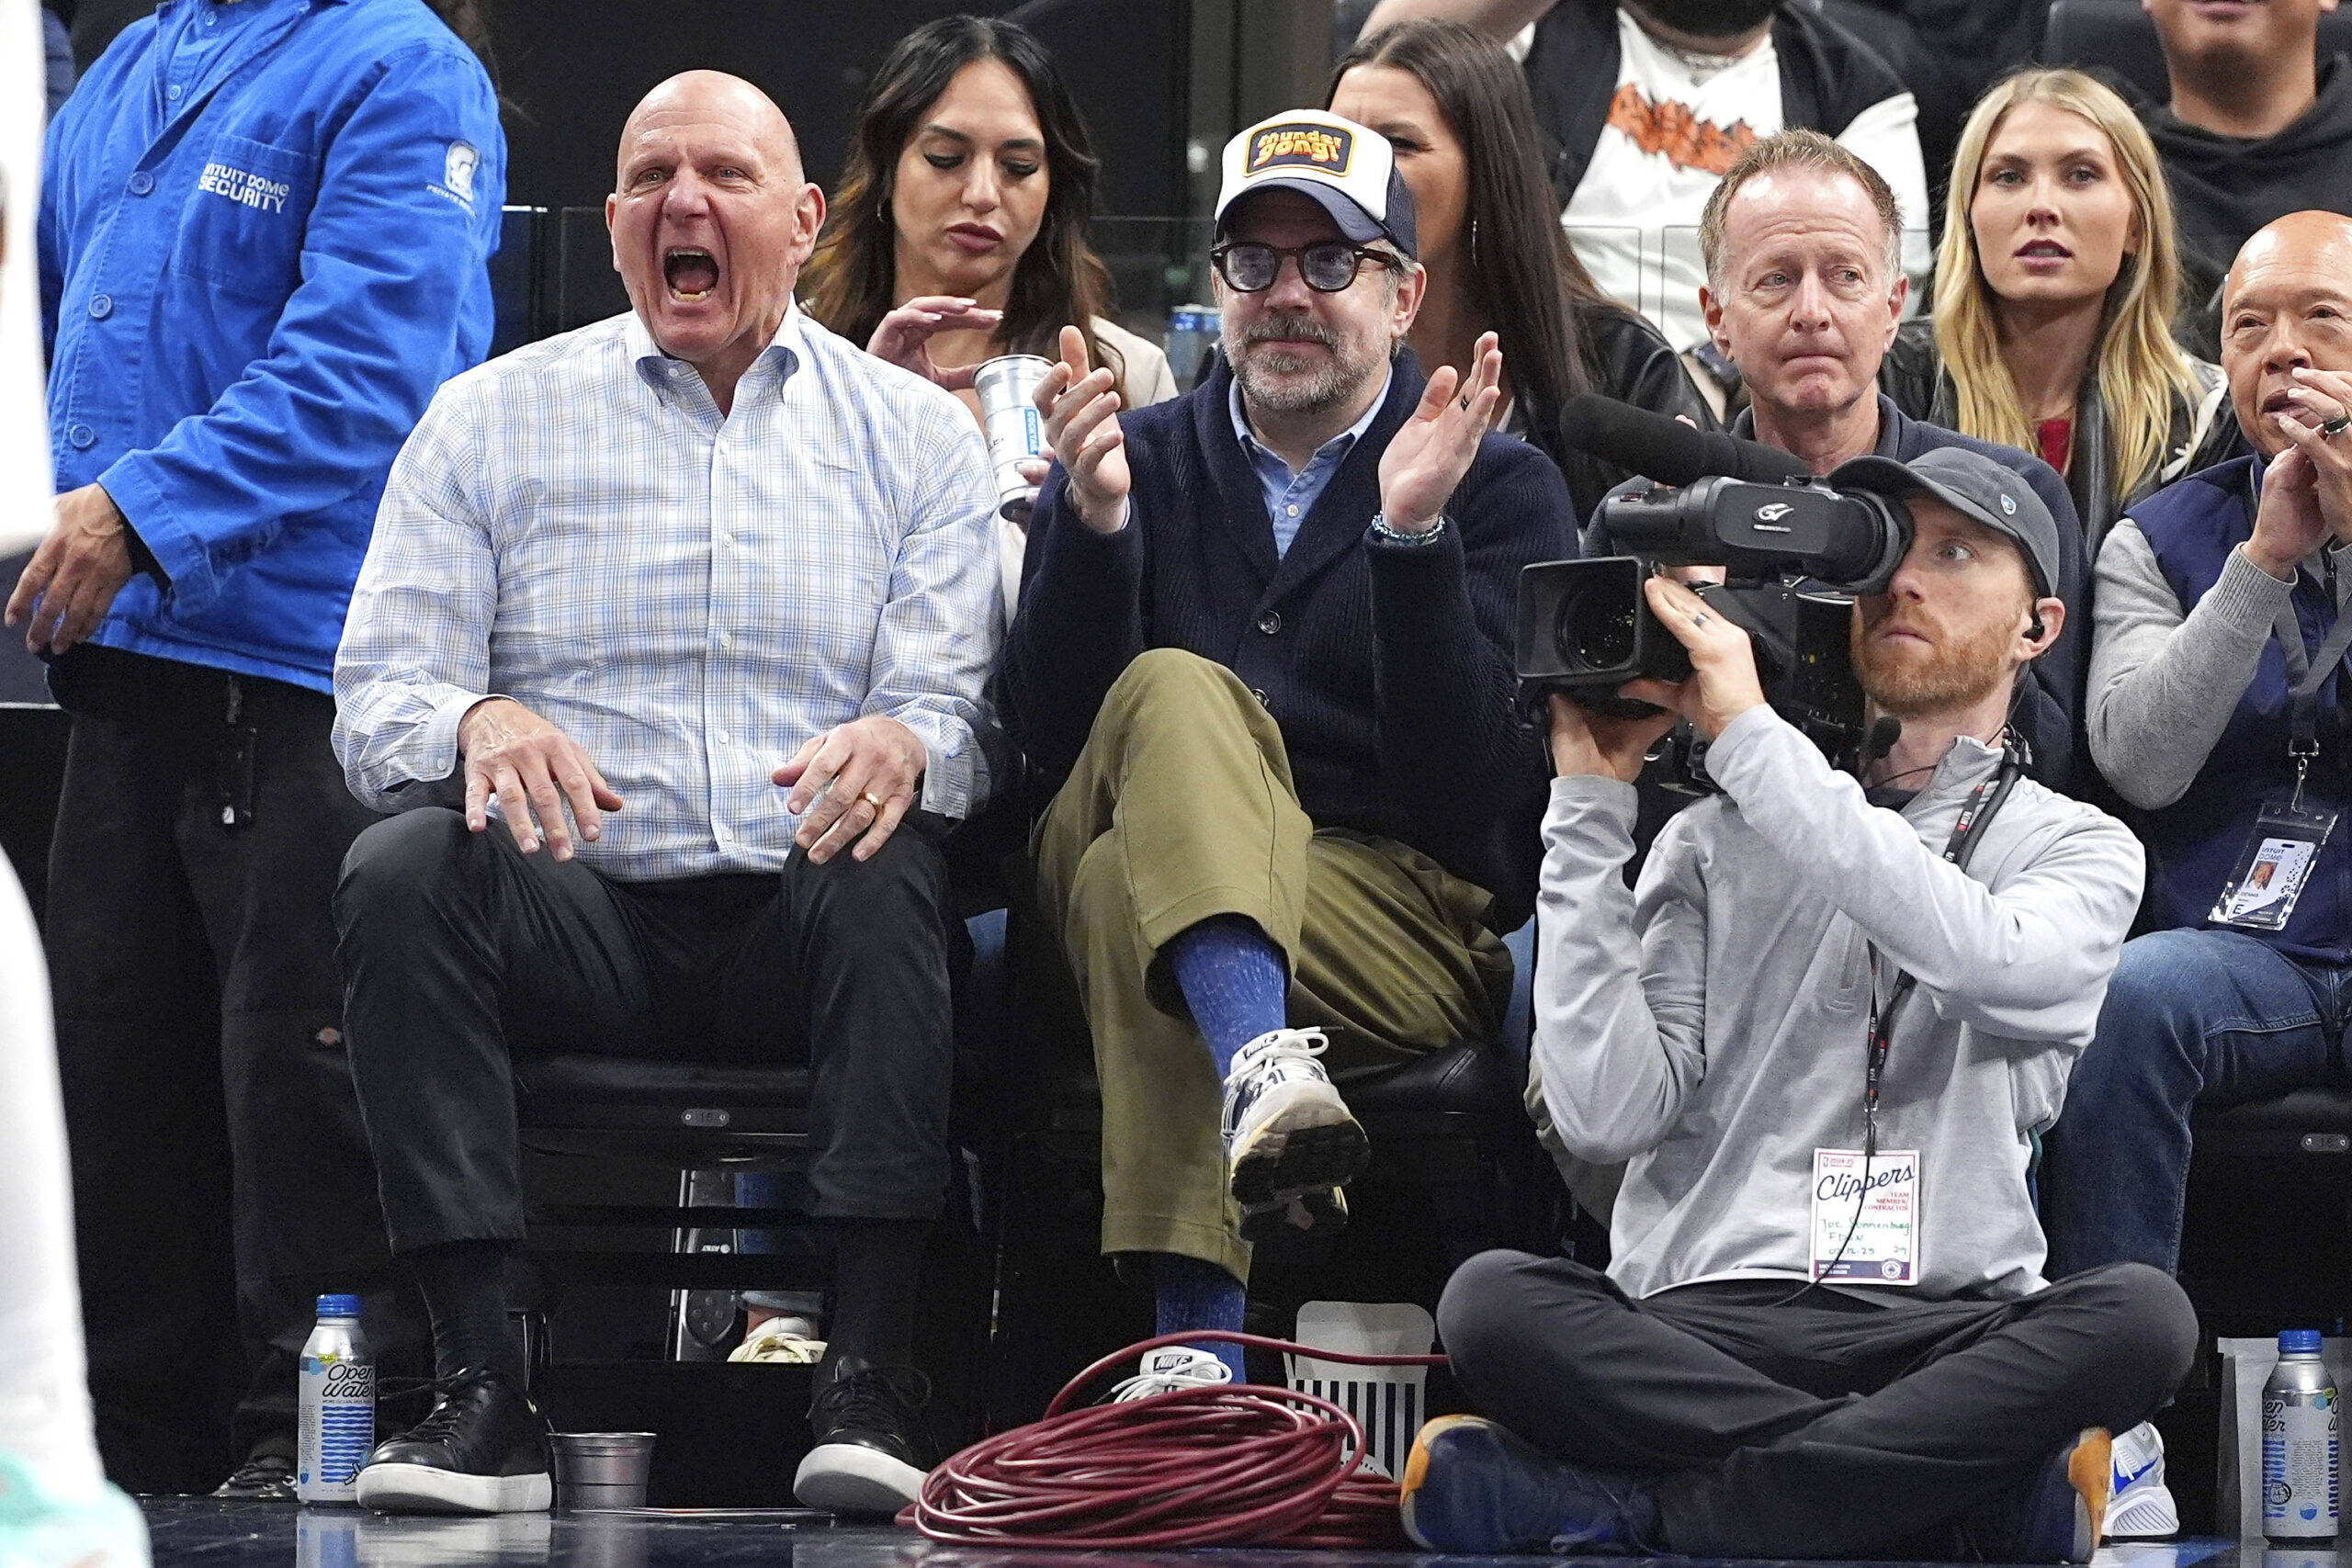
column 691, row 274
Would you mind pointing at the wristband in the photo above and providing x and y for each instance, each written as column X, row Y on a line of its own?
column 1381, row 530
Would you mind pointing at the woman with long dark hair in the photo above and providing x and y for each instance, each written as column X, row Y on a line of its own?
column 1458, row 112
column 958, row 233
column 969, row 185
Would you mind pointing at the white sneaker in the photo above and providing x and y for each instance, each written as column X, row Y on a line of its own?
column 39, row 1530
column 2141, row 1507
column 1170, row 1369
column 1287, row 1133
column 780, row 1341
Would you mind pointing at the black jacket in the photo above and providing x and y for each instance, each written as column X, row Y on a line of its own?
column 1630, row 360
column 1387, row 665
column 1827, row 78
column 2225, row 187
column 2203, row 433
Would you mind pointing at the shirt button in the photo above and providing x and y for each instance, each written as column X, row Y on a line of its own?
column 1293, row 511
column 1270, row 623
column 82, row 435
column 726, row 639
column 723, row 739
column 141, row 183
column 101, row 306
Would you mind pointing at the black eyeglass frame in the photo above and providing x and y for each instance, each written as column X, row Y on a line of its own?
column 1357, row 256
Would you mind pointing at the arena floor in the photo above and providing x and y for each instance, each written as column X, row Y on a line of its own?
column 201, row 1533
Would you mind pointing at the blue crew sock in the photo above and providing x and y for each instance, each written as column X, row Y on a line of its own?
column 1193, row 1294
column 1234, row 981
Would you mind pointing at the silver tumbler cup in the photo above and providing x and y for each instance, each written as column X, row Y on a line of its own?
column 1016, row 431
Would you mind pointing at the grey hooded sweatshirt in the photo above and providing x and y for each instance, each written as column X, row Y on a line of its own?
column 1708, row 1026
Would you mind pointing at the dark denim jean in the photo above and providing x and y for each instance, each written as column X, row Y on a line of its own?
column 2191, row 1018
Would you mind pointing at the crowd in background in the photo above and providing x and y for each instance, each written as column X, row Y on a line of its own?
column 286, row 578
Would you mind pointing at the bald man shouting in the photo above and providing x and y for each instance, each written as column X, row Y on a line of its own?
column 667, row 660
column 2219, row 707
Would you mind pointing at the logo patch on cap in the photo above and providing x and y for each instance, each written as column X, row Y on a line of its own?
column 1300, row 146
column 2008, row 505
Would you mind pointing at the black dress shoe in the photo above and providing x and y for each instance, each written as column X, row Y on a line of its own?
column 266, row 1476
column 871, row 1454
column 483, row 1449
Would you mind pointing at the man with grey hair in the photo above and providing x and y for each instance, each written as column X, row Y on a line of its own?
column 709, row 560
column 1804, row 293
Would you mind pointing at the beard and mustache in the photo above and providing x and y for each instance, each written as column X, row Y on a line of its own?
column 1952, row 670
column 1271, row 377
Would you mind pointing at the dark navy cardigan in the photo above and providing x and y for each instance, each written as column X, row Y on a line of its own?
column 1387, row 665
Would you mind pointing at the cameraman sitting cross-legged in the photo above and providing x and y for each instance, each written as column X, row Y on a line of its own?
column 1803, row 998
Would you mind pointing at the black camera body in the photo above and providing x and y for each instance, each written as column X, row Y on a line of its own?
column 1796, row 555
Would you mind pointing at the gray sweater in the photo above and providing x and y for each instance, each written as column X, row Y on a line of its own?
column 1708, row 1026
column 2165, row 681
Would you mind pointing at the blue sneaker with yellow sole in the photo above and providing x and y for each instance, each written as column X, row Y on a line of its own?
column 1470, row 1484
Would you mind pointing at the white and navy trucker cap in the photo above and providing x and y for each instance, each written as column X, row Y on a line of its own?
column 1348, row 168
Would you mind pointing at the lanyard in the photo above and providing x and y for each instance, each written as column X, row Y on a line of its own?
column 1978, row 810
column 2307, row 672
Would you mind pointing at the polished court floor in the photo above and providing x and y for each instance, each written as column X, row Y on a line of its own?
column 201, row 1533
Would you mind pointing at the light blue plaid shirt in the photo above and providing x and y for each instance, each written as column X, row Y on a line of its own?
column 574, row 525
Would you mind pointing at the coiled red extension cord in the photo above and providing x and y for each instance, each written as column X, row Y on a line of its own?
column 1230, row 1465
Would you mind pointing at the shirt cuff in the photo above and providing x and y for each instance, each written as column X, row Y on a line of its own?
column 439, row 743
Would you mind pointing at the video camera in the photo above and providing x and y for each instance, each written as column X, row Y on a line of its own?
column 1796, row 553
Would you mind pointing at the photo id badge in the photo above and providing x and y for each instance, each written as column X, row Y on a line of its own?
column 2271, row 870
column 1866, row 1237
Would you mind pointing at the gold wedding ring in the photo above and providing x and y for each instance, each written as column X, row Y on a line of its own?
column 872, row 799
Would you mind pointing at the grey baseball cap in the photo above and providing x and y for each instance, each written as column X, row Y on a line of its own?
column 1981, row 489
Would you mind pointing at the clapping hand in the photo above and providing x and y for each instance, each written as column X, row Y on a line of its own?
column 1430, row 452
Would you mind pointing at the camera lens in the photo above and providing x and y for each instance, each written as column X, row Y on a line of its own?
column 1594, row 628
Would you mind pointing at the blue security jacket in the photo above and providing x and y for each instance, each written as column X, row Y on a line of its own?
column 257, row 263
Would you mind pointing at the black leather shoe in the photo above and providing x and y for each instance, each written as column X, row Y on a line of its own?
column 483, row 1449
column 871, row 1454
column 266, row 1476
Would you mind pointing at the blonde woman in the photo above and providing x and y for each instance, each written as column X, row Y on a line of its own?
column 2056, row 285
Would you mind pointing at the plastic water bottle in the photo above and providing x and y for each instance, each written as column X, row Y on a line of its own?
column 338, row 1405
column 2299, row 1443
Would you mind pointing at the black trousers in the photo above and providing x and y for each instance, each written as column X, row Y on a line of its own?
column 220, row 1179
column 1826, row 1427
column 460, row 950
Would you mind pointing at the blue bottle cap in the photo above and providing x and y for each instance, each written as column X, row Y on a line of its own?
column 348, row 1306
column 2298, row 1342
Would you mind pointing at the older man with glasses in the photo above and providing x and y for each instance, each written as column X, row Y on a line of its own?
column 1264, row 651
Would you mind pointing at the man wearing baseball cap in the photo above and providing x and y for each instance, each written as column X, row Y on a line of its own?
column 1265, row 652
column 1823, row 1031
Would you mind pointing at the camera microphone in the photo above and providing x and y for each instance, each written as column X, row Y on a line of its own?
column 1882, row 738
column 1667, row 450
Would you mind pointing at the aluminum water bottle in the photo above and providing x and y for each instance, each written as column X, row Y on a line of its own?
column 338, row 1405
column 2299, row 1443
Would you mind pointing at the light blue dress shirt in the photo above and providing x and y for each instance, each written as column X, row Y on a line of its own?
column 1291, row 496
column 689, row 596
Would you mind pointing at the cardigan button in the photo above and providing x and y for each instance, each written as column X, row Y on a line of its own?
column 1270, row 623
column 1263, row 701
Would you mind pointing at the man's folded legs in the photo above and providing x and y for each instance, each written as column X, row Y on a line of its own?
column 1731, row 1420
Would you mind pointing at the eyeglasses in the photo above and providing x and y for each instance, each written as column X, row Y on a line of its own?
column 1327, row 266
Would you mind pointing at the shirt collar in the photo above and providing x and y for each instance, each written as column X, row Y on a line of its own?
column 1333, row 447
column 788, row 349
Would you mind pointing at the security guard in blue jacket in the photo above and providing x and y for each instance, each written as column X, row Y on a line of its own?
column 264, row 232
